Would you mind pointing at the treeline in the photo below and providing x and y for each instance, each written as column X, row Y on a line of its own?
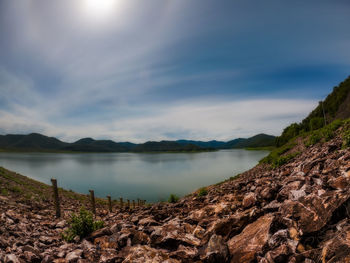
column 325, row 112
column 38, row 142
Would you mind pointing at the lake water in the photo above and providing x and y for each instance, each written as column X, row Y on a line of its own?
column 150, row 176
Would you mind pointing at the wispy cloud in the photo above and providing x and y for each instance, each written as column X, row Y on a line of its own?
column 204, row 120
column 167, row 69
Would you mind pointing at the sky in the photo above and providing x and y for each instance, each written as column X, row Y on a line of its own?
column 131, row 70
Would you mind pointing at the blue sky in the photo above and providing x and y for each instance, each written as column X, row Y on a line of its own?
column 149, row 70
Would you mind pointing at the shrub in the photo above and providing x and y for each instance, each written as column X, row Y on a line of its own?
column 346, row 139
column 314, row 138
column 173, row 198
column 202, row 192
column 81, row 225
column 284, row 159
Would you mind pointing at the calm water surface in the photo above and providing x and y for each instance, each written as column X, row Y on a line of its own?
column 133, row 175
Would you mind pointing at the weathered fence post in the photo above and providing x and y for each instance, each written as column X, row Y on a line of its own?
column 138, row 202
column 121, row 203
column 56, row 198
column 109, row 203
column 128, row 203
column 133, row 204
column 92, row 199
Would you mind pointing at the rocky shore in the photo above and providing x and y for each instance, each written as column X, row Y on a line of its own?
column 298, row 212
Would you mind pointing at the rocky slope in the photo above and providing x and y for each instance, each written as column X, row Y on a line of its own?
column 297, row 212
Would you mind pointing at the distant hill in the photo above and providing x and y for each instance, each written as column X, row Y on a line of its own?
column 31, row 141
column 39, row 142
column 335, row 106
column 210, row 144
column 259, row 140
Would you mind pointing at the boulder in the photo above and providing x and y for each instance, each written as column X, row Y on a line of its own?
column 245, row 246
column 216, row 251
column 249, row 200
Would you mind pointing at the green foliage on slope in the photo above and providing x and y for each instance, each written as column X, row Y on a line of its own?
column 81, row 225
column 328, row 108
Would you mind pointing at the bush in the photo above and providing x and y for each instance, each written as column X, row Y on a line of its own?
column 346, row 139
column 173, row 198
column 81, row 225
column 202, row 192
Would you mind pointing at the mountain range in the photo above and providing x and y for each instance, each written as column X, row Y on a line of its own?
column 39, row 142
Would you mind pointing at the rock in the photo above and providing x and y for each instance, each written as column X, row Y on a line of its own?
column 312, row 212
column 337, row 249
column 253, row 238
column 199, row 232
column 185, row 253
column 105, row 242
column 216, row 251
column 108, row 256
column 148, row 221
column 74, row 255
column 106, row 231
column 11, row 258
column 31, row 257
column 249, row 200
column 341, row 182
column 142, row 254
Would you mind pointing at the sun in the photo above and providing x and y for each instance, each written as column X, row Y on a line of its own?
column 100, row 9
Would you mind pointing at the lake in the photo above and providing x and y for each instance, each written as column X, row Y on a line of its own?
column 150, row 176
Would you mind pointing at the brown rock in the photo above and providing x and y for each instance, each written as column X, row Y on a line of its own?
column 31, row 257
column 216, row 251
column 312, row 212
column 74, row 255
column 243, row 247
column 249, row 200
column 106, row 231
column 341, row 182
column 142, row 254
column 11, row 258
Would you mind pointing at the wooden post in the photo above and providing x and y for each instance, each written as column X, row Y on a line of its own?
column 92, row 199
column 133, row 204
column 109, row 203
column 128, row 203
column 138, row 202
column 56, row 198
column 121, row 203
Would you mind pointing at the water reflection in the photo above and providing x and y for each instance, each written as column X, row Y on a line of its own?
column 147, row 176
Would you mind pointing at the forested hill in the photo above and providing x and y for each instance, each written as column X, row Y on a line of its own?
column 39, row 142
column 335, row 106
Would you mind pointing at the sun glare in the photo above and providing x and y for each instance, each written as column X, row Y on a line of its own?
column 100, row 9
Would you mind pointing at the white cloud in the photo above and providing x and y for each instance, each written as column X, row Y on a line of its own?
column 203, row 120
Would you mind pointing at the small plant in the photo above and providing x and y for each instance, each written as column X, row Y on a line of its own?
column 314, row 138
column 173, row 198
column 202, row 192
column 81, row 225
column 346, row 139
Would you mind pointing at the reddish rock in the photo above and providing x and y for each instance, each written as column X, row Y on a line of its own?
column 249, row 200
column 216, row 251
column 245, row 246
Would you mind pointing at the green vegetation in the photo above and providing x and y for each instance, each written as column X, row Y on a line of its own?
column 202, row 191
column 173, row 198
column 325, row 133
column 275, row 157
column 267, row 148
column 81, row 225
column 346, row 134
column 229, row 179
column 329, row 107
column 279, row 157
column 257, row 141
